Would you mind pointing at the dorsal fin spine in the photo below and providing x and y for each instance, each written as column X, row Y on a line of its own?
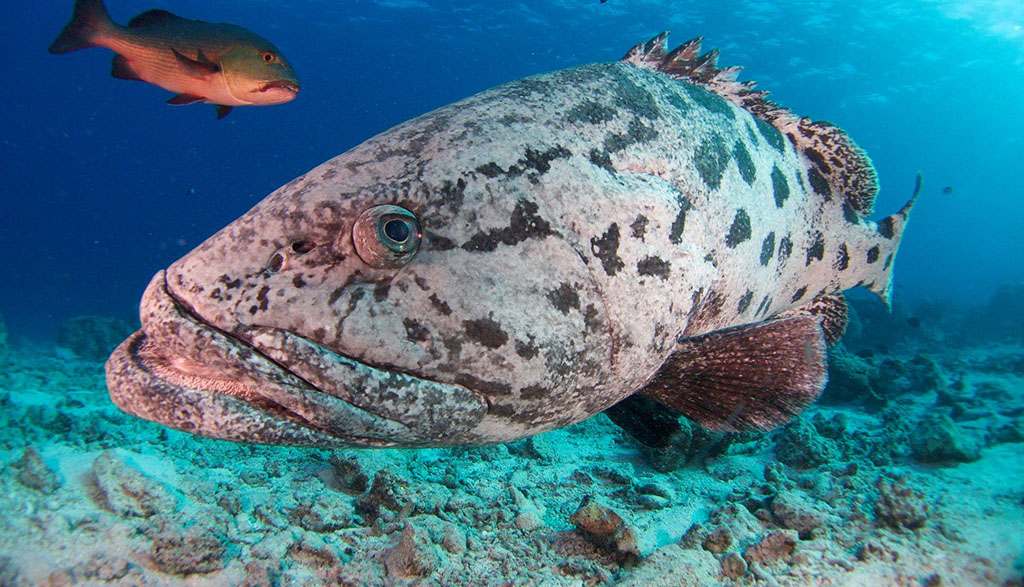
column 850, row 175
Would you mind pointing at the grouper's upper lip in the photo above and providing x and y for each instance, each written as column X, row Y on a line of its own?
column 277, row 378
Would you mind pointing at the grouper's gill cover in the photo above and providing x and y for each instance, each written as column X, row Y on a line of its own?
column 521, row 260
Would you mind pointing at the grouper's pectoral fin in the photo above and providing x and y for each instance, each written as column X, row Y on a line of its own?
column 199, row 68
column 756, row 376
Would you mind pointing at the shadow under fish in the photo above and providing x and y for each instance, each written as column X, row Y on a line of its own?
column 214, row 63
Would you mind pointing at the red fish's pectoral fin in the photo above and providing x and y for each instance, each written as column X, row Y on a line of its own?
column 181, row 99
column 831, row 309
column 122, row 69
column 756, row 376
column 199, row 68
column 222, row 110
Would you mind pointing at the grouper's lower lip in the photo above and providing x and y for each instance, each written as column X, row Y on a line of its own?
column 186, row 374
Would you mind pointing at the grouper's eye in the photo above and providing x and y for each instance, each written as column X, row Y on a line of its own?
column 386, row 236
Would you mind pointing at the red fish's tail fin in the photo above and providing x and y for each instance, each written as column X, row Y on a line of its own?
column 88, row 21
column 877, row 273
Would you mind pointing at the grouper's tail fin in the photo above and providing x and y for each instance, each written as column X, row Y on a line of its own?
column 88, row 21
column 879, row 256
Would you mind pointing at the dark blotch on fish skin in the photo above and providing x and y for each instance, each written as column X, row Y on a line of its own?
column 510, row 119
column 818, row 159
column 767, row 248
column 745, row 301
column 799, row 294
column 590, row 320
column 887, row 227
column 335, row 295
column 817, row 248
column 298, row 282
column 606, row 249
column 486, row 332
column 675, row 233
column 436, row 242
column 491, row 169
column 818, row 183
column 637, row 132
column 678, row 102
column 764, row 306
column 440, row 305
column 771, row 134
column 639, row 227
column 709, row 100
column 785, row 248
column 752, row 135
column 262, row 297
column 453, row 193
column 888, row 261
column 849, row 214
column 590, row 112
column 533, row 392
column 602, row 160
column 654, row 266
column 483, row 386
column 633, row 97
column 381, row 292
column 780, row 186
column 415, row 331
column 748, row 171
column 564, row 298
column 524, row 224
column 873, row 254
column 842, row 258
column 228, row 282
column 740, row 230
column 711, row 158
column 526, row 350
column 541, row 160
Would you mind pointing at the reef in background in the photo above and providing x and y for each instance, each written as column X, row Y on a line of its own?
column 910, row 470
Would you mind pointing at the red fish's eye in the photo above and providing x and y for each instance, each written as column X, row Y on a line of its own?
column 268, row 56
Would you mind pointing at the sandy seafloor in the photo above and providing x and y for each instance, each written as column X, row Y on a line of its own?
column 909, row 471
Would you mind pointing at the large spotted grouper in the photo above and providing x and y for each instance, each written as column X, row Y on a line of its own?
column 521, row 260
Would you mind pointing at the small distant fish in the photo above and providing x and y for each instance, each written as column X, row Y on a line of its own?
column 216, row 63
column 914, row 322
column 947, row 190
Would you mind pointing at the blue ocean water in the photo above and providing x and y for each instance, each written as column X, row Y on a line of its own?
column 104, row 184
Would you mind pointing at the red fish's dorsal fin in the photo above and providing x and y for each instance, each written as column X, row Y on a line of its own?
column 155, row 17
column 836, row 165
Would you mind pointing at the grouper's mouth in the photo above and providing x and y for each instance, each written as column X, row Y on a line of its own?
column 269, row 386
column 279, row 84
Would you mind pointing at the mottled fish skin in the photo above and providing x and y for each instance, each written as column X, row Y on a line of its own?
column 576, row 226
